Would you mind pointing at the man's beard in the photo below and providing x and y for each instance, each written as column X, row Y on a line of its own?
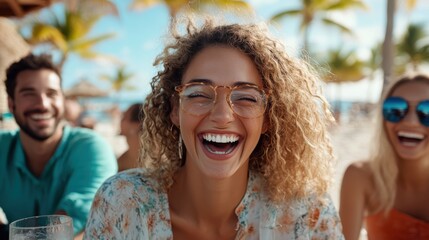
column 33, row 134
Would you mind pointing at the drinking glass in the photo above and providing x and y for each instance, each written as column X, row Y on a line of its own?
column 47, row 227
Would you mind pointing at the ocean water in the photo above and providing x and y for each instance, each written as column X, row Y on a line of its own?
column 98, row 108
column 351, row 111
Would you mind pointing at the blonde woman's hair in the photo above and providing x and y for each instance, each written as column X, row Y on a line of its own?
column 384, row 159
column 294, row 156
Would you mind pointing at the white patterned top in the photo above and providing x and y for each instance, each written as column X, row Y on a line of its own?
column 132, row 206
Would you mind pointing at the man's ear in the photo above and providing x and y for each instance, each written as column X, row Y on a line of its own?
column 10, row 105
column 174, row 114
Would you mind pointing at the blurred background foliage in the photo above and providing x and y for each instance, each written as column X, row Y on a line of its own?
column 68, row 30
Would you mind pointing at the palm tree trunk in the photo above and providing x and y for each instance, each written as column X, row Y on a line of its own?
column 388, row 50
column 306, row 36
column 369, row 90
column 304, row 51
column 62, row 61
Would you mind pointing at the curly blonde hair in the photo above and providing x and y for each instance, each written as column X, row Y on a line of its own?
column 383, row 162
column 294, row 156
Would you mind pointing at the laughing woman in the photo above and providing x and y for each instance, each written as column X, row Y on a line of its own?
column 236, row 135
column 390, row 193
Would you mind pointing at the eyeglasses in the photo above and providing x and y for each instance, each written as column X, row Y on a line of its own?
column 199, row 98
column 396, row 108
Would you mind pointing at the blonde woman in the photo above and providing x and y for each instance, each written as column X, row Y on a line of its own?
column 236, row 132
column 390, row 193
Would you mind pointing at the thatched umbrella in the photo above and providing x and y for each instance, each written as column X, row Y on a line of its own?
column 84, row 89
column 19, row 8
column 12, row 47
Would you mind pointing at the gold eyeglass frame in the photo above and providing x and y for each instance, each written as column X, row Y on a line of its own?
column 179, row 89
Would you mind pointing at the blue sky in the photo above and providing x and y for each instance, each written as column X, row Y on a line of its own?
column 140, row 35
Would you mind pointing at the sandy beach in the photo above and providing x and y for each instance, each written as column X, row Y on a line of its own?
column 351, row 142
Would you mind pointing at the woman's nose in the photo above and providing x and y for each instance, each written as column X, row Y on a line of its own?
column 222, row 112
column 411, row 117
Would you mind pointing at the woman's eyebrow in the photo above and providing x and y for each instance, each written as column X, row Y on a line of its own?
column 201, row 80
column 207, row 81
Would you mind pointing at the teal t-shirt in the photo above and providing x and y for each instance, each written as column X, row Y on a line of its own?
column 82, row 161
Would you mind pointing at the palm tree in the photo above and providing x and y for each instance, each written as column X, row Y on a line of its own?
column 412, row 46
column 388, row 50
column 372, row 66
column 312, row 10
column 119, row 80
column 175, row 6
column 344, row 67
column 68, row 30
column 388, row 45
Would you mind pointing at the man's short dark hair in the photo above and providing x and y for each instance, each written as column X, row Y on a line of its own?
column 137, row 114
column 29, row 62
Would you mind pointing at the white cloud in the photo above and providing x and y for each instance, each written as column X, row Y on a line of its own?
column 259, row 3
column 369, row 36
column 347, row 18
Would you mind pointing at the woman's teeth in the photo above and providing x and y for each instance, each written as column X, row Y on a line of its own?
column 410, row 139
column 417, row 136
column 220, row 138
column 220, row 143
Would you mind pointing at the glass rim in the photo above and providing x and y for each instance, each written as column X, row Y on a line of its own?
column 68, row 220
column 393, row 98
column 180, row 89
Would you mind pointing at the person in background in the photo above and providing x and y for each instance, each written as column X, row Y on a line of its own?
column 131, row 123
column 72, row 112
column 235, row 137
column 47, row 167
column 390, row 192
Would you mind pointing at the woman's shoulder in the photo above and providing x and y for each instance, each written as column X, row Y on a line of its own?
column 129, row 205
column 358, row 184
column 358, row 173
column 363, row 166
column 135, row 182
column 314, row 214
column 319, row 204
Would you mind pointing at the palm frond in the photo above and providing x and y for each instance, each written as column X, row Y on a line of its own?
column 331, row 22
column 279, row 16
column 84, row 44
column 45, row 33
column 142, row 4
column 347, row 4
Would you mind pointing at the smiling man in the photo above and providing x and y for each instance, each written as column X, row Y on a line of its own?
column 47, row 167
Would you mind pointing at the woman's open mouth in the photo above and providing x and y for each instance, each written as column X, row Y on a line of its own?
column 220, row 144
column 410, row 139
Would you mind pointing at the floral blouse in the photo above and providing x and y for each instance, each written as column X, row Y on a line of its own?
column 130, row 205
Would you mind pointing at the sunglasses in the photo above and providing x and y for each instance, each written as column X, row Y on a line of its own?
column 396, row 108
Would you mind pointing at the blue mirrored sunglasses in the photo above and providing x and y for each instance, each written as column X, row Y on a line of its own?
column 396, row 108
